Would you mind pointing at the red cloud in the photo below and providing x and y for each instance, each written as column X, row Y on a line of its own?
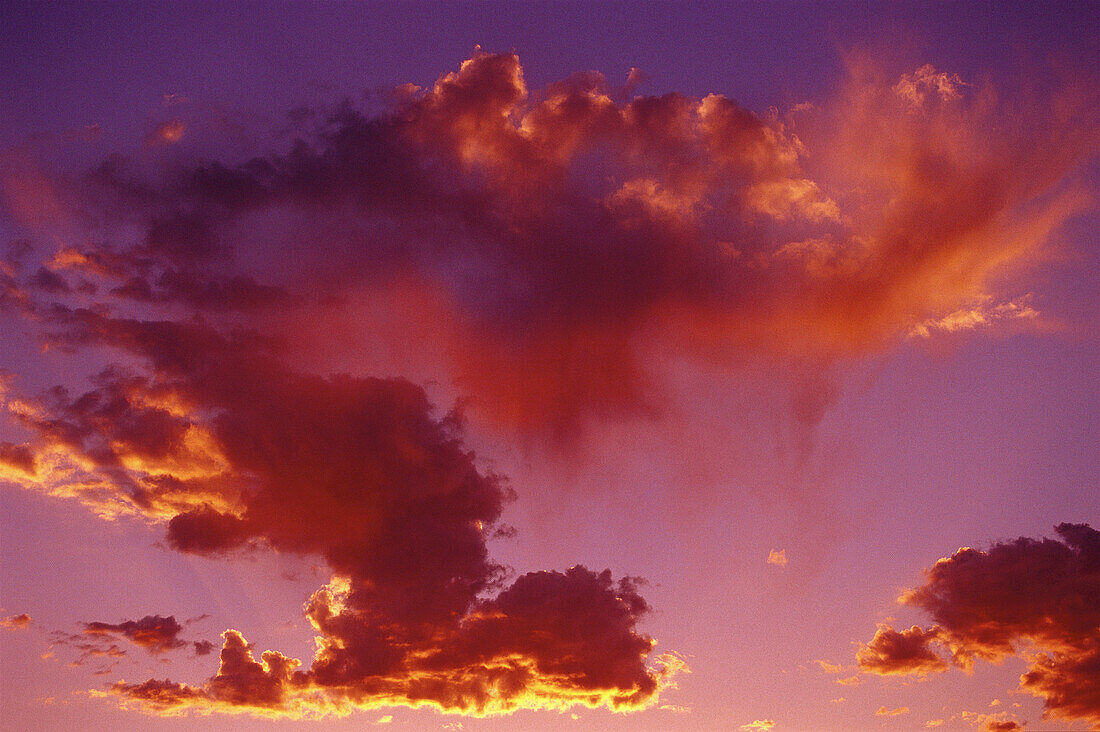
column 900, row 652
column 17, row 457
column 235, row 450
column 565, row 234
column 553, row 241
column 991, row 604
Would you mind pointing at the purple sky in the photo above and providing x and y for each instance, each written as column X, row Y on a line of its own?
column 773, row 352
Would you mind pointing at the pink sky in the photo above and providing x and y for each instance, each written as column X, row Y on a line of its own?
column 540, row 370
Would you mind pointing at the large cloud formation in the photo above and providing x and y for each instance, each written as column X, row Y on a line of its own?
column 1039, row 598
column 548, row 249
column 234, row 450
column 547, row 242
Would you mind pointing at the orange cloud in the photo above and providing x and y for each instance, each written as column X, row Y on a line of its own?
column 896, row 712
column 992, row 722
column 495, row 665
column 16, row 622
column 1001, row 725
column 778, row 557
column 981, row 314
column 166, row 133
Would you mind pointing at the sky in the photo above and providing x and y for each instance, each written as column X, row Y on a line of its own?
column 530, row 366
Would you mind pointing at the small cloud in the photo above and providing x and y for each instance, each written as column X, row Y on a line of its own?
column 934, row 723
column 1001, row 725
column 829, row 668
column 778, row 557
column 166, row 133
column 982, row 313
column 884, row 712
column 16, row 622
column 838, row 700
column 850, row 681
column 635, row 77
column 385, row 720
column 907, row 651
column 758, row 724
column 152, row 632
column 926, row 82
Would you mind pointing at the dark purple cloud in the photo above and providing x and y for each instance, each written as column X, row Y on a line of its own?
column 991, row 604
column 154, row 633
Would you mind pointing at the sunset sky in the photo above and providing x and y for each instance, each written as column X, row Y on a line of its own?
column 531, row 366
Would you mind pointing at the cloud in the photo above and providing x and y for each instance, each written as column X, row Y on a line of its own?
column 16, row 622
column 1027, row 597
column 900, row 652
column 897, row 712
column 1002, row 725
column 153, row 633
column 17, row 458
column 558, row 238
column 99, row 648
column 552, row 246
column 926, row 82
column 992, row 722
column 166, row 133
column 778, row 557
column 541, row 643
column 981, row 314
column 233, row 451
column 758, row 724
column 203, row 647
